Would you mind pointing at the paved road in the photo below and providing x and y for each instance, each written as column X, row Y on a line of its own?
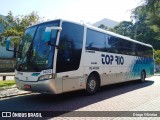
column 130, row 96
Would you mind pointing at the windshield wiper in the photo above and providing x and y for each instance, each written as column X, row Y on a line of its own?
column 20, row 65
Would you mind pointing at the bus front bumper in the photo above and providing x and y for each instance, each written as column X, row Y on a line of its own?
column 46, row 86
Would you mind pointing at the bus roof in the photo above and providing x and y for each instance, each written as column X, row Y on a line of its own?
column 99, row 30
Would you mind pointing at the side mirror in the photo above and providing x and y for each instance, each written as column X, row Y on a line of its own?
column 8, row 44
column 48, row 32
column 11, row 43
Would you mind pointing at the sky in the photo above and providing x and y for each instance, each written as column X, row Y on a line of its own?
column 76, row 10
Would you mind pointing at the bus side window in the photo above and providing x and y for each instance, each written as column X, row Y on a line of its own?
column 66, row 50
column 95, row 40
column 113, row 42
column 70, row 47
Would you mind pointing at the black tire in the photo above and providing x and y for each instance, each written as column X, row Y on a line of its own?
column 92, row 84
column 143, row 76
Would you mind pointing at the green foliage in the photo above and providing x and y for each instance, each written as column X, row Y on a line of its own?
column 145, row 26
column 139, row 31
column 150, row 11
column 22, row 22
column 112, row 30
column 148, row 22
column 157, row 56
column 103, row 27
column 12, row 32
column 17, row 24
column 7, row 83
column 124, row 28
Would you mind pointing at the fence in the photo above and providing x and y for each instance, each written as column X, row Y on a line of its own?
column 7, row 65
column 6, row 74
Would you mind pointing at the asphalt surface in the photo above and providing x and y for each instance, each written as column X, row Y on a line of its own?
column 130, row 96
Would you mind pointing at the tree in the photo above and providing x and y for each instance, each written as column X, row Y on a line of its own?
column 150, row 9
column 112, row 30
column 102, row 26
column 16, row 25
column 145, row 25
column 124, row 28
column 12, row 32
column 20, row 22
column 157, row 56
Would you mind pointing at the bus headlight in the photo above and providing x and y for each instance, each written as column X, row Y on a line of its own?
column 46, row 77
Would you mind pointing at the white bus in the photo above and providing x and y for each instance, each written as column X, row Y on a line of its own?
column 61, row 56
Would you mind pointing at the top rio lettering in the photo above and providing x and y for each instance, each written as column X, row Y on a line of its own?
column 109, row 59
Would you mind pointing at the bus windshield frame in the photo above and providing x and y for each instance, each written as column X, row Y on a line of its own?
column 33, row 54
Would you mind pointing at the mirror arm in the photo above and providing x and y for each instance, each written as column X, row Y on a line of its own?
column 48, row 43
column 56, row 46
column 11, row 50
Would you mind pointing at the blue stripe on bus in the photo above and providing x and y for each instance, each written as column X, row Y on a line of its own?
column 139, row 64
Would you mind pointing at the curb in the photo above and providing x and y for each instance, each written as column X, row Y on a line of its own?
column 14, row 95
column 9, row 87
column 7, row 95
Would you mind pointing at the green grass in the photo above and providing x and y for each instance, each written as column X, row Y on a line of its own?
column 6, row 83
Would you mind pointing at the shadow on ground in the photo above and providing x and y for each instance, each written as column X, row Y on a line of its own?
column 68, row 101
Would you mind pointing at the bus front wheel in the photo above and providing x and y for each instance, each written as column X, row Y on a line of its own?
column 92, row 84
column 143, row 76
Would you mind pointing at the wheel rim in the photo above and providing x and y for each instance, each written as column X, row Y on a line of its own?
column 92, row 85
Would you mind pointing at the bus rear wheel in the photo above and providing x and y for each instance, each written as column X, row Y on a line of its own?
column 92, row 85
column 143, row 76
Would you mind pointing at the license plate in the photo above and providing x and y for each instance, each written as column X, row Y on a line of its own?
column 27, row 86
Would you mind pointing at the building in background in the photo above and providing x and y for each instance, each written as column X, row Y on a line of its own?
column 7, row 62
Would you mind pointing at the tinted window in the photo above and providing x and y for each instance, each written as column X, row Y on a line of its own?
column 70, row 47
column 149, row 52
column 34, row 54
column 119, row 45
column 112, row 45
column 126, row 47
column 26, row 41
column 95, row 40
column 42, row 55
column 144, row 51
column 107, row 43
column 139, row 50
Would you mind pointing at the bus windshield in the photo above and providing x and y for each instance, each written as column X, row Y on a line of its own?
column 33, row 54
